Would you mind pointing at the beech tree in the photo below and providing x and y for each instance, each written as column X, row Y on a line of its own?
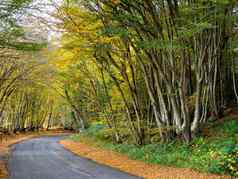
column 171, row 61
column 24, row 95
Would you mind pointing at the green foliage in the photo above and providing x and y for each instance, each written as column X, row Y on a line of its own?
column 94, row 130
column 106, row 134
column 230, row 127
column 27, row 46
column 229, row 160
column 11, row 32
column 115, row 31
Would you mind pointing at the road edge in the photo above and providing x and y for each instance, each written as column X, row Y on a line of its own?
column 133, row 167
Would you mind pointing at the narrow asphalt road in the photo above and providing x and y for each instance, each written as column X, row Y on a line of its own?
column 44, row 158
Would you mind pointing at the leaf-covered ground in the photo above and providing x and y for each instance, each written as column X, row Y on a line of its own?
column 135, row 167
column 214, row 151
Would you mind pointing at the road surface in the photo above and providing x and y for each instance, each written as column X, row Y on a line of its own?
column 44, row 158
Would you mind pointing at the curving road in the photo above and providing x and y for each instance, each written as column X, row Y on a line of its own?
column 44, row 158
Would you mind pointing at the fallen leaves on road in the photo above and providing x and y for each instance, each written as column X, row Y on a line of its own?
column 134, row 167
column 3, row 170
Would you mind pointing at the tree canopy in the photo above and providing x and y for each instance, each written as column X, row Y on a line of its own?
column 146, row 69
column 164, row 66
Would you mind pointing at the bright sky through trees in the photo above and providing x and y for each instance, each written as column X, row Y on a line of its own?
column 38, row 20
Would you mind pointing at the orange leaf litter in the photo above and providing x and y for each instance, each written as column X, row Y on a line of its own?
column 134, row 167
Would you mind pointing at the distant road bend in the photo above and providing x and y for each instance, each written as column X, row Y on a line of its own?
column 44, row 158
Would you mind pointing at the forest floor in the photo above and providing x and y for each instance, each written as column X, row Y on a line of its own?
column 213, row 154
column 7, row 140
column 214, row 151
column 134, row 167
column 152, row 161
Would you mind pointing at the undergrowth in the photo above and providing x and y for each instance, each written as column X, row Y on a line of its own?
column 215, row 153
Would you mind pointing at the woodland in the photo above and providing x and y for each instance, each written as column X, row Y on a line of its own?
column 142, row 71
